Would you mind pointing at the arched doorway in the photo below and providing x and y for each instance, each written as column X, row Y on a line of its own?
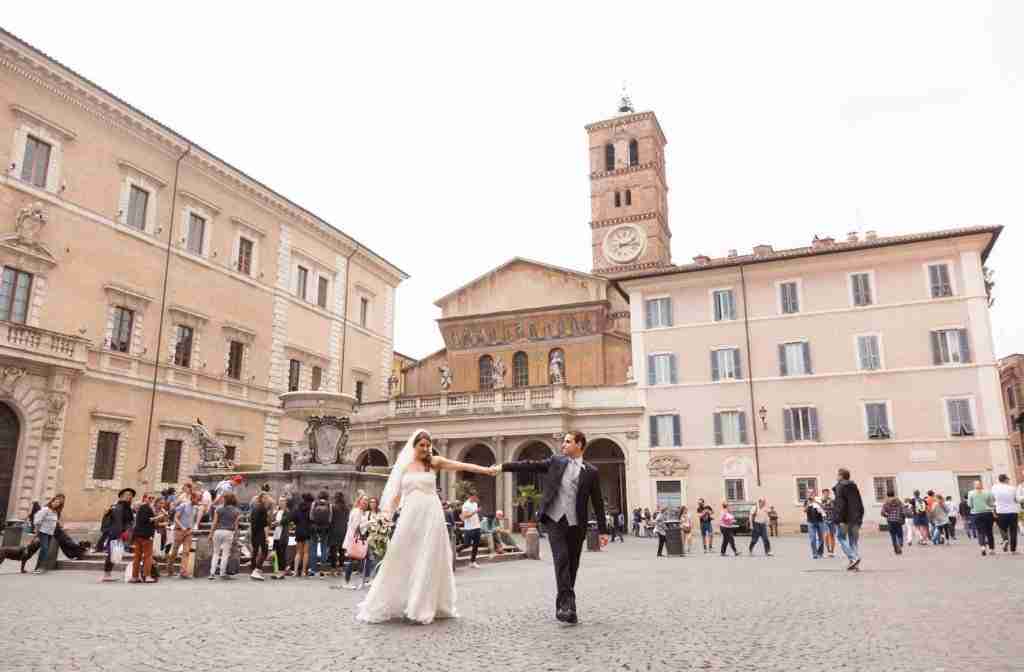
column 10, row 430
column 533, row 451
column 484, row 485
column 371, row 458
column 610, row 461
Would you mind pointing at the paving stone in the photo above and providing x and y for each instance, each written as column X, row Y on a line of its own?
column 935, row 608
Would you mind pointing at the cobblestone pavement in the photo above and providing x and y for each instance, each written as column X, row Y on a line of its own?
column 934, row 608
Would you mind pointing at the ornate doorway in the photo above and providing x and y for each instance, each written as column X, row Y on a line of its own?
column 610, row 461
column 484, row 485
column 10, row 430
column 531, row 451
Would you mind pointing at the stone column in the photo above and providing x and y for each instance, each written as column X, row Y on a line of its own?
column 502, row 491
column 635, row 489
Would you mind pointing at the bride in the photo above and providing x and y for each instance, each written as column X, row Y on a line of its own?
column 415, row 581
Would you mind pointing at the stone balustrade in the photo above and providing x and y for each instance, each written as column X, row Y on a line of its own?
column 513, row 400
column 44, row 343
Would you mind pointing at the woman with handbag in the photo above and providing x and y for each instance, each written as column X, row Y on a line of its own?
column 727, row 526
column 355, row 546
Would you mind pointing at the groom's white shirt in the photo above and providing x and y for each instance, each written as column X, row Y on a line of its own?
column 565, row 503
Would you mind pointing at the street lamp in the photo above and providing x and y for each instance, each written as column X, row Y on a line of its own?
column 763, row 414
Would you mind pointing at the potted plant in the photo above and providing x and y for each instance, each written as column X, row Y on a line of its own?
column 529, row 499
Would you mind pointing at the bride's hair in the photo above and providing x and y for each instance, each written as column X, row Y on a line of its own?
column 415, row 442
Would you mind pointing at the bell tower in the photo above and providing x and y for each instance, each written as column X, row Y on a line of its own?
column 628, row 192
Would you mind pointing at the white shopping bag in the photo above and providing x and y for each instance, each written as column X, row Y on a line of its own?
column 116, row 551
column 128, row 572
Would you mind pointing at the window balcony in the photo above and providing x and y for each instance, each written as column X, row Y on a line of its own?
column 42, row 345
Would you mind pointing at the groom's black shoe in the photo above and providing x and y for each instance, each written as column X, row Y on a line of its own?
column 570, row 617
column 562, row 615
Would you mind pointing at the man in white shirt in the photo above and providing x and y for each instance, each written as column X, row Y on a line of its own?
column 471, row 528
column 1007, row 506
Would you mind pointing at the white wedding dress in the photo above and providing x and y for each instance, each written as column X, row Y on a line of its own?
column 415, row 581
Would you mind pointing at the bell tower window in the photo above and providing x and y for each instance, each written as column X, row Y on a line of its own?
column 634, row 152
column 618, row 199
column 629, row 197
column 609, row 156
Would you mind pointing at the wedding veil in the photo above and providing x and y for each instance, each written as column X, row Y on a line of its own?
column 393, row 488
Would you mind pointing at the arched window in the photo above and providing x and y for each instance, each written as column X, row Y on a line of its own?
column 486, row 372
column 556, row 367
column 618, row 199
column 520, row 370
column 634, row 153
column 629, row 197
column 609, row 156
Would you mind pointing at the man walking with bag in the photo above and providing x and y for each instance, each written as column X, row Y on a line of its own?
column 849, row 515
column 760, row 518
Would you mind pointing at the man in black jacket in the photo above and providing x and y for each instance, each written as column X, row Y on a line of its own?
column 849, row 513
column 568, row 483
column 118, row 526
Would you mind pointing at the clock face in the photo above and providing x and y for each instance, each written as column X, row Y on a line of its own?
column 624, row 244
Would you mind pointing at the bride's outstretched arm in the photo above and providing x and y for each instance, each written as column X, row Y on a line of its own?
column 451, row 465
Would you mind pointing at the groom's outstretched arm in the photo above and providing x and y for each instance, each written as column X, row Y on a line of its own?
column 533, row 466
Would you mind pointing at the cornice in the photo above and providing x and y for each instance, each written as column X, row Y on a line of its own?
column 117, row 288
column 255, row 228
column 65, row 133
column 656, row 165
column 641, row 217
column 306, row 353
column 50, row 75
column 626, row 119
column 188, row 312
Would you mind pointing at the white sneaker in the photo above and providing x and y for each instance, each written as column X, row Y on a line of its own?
column 256, row 575
column 474, row 565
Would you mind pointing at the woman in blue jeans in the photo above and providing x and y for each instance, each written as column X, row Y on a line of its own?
column 45, row 522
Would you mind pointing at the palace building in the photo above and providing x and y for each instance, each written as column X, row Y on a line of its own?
column 146, row 283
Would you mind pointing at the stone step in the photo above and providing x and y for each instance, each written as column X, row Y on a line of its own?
column 508, row 556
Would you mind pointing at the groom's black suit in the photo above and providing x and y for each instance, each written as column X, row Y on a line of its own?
column 566, row 540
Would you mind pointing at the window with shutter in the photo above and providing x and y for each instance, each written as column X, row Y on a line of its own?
column 729, row 430
column 659, row 312
column 106, row 456
column 877, row 420
column 725, row 364
column 789, row 298
column 665, row 431
column 183, row 347
column 938, row 280
column 236, row 350
column 15, row 289
column 321, row 291
column 317, row 378
column 884, row 485
column 172, row 461
column 301, row 280
column 485, row 368
column 950, row 346
column 245, row 248
column 869, row 353
column 801, row 423
column 196, row 231
column 723, row 304
column 805, row 488
column 735, row 490
column 861, row 285
column 794, row 359
column 138, row 198
column 663, row 368
column 36, row 163
column 960, row 421
column 121, row 330
column 294, row 373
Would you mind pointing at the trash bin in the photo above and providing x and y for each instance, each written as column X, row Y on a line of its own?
column 674, row 539
column 13, row 531
column 593, row 537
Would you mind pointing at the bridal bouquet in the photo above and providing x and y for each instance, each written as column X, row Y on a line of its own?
column 378, row 535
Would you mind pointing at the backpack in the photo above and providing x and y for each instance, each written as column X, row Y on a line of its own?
column 321, row 514
column 920, row 507
column 108, row 520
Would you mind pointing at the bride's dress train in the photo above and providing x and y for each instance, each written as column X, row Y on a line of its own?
column 415, row 581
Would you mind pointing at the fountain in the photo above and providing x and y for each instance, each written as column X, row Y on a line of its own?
column 320, row 461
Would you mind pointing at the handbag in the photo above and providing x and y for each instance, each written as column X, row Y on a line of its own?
column 357, row 549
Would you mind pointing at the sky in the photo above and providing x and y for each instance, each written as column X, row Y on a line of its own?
column 449, row 136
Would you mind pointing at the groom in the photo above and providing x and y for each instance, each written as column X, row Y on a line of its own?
column 568, row 483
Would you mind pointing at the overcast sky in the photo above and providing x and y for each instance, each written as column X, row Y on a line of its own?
column 449, row 136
